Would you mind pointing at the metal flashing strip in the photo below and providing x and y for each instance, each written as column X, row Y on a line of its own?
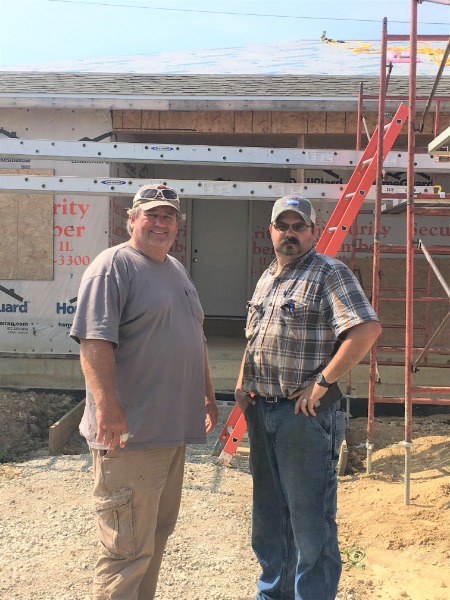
column 194, row 103
column 167, row 153
column 220, row 190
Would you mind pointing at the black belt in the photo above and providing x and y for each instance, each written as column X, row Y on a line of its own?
column 274, row 399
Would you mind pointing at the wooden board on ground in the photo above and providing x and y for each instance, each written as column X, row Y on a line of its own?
column 343, row 456
column 60, row 432
column 243, row 448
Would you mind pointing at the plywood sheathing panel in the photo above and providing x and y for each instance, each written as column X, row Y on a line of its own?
column 317, row 122
column 277, row 122
column 215, row 121
column 150, row 119
column 8, row 247
column 235, row 122
column 132, row 119
column 289, row 122
column 335, row 122
column 262, row 122
column 243, row 121
column 26, row 246
column 117, row 119
column 351, row 120
column 178, row 120
column 35, row 237
column 202, row 121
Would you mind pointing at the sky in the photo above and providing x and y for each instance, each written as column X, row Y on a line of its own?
column 35, row 31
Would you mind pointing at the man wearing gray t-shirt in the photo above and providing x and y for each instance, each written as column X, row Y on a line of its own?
column 139, row 323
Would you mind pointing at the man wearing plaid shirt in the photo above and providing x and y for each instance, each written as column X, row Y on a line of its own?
column 308, row 324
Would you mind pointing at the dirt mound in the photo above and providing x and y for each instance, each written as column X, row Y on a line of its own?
column 25, row 419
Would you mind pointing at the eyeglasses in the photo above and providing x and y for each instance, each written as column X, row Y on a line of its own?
column 165, row 193
column 297, row 227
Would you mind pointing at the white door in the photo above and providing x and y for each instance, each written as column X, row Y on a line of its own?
column 219, row 255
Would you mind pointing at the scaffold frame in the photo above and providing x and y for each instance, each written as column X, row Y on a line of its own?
column 413, row 394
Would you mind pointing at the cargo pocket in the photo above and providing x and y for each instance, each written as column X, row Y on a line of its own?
column 114, row 522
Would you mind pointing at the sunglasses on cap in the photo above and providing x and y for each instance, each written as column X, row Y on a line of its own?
column 164, row 193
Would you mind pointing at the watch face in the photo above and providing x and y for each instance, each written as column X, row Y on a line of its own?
column 320, row 380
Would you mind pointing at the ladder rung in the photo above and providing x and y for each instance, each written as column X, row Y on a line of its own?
column 386, row 127
column 367, row 161
column 331, row 229
column 350, row 195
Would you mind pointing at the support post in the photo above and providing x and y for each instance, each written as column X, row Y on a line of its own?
column 376, row 242
column 409, row 332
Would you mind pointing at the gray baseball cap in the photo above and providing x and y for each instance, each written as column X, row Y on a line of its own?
column 297, row 204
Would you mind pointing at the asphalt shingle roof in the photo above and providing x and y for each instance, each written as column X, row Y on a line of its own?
column 205, row 85
column 203, row 92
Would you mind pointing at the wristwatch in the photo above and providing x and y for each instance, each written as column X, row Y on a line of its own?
column 320, row 380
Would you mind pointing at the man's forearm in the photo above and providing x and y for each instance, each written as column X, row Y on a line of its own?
column 358, row 342
column 97, row 363
column 242, row 397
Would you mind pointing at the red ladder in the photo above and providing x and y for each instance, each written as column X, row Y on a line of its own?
column 359, row 185
column 329, row 243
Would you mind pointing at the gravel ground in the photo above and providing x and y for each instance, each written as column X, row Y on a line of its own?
column 49, row 547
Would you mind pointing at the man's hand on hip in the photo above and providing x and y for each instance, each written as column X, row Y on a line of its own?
column 243, row 399
column 306, row 399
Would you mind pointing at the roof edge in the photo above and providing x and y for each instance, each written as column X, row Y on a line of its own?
column 192, row 103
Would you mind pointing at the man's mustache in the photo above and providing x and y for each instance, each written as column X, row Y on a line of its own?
column 290, row 240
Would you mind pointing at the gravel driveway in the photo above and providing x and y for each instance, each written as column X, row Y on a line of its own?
column 48, row 545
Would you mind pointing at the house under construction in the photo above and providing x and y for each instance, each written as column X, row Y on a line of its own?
column 75, row 147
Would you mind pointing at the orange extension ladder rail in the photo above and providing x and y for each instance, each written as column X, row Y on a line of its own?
column 329, row 243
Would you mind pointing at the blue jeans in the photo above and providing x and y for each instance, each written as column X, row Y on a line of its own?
column 293, row 461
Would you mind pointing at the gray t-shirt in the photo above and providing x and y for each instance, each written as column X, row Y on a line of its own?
column 151, row 313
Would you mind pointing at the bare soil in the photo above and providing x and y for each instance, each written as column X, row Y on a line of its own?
column 407, row 547
column 25, row 418
column 391, row 550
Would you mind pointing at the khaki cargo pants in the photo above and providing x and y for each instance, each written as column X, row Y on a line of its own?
column 137, row 497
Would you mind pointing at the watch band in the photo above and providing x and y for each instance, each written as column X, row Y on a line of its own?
column 320, row 380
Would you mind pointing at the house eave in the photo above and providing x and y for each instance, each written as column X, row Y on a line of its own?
column 184, row 103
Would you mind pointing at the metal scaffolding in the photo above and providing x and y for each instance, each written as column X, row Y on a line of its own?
column 413, row 394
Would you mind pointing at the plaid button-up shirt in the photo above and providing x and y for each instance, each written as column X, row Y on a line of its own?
column 295, row 319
